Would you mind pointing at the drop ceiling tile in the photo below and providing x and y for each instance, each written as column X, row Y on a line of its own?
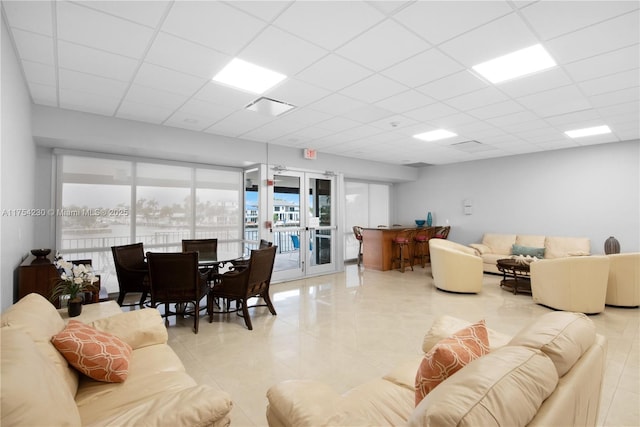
column 282, row 52
column 90, row 84
column 388, row 7
column 212, row 24
column 323, row 73
column 453, row 122
column 147, row 13
column 438, row 21
column 186, row 57
column 431, row 112
column 597, row 39
column 265, row 10
column 405, row 101
column 597, row 139
column 557, row 101
column 268, row 132
column 337, row 104
column 623, row 108
column 453, row 85
column 617, row 97
column 88, row 27
column 303, row 136
column 394, row 123
column 34, row 47
column 156, row 77
column 183, row 120
column 423, row 68
column 338, row 124
column 368, row 114
column 205, row 110
column 374, row 88
column 496, row 110
column 151, row 96
column 353, row 134
column 304, row 117
column 610, row 83
column 509, row 119
column 38, row 73
column 34, row 16
column 516, row 128
column 624, row 59
column 497, row 38
column 329, row 27
column 297, row 92
column 88, row 102
column 224, row 95
column 479, row 98
column 554, row 18
column 92, row 61
column 143, row 112
column 240, row 122
column 382, row 46
column 44, row 94
column 545, row 80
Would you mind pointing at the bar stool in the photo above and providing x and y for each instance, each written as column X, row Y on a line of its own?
column 401, row 243
column 357, row 231
column 421, row 244
column 442, row 232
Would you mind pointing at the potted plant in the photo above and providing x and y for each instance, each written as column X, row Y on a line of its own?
column 74, row 281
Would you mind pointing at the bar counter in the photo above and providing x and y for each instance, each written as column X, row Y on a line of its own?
column 377, row 247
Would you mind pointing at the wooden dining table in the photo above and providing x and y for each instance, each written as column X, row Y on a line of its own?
column 377, row 246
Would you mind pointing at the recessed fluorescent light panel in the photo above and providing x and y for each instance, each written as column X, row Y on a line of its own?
column 516, row 64
column 596, row 130
column 247, row 76
column 435, row 135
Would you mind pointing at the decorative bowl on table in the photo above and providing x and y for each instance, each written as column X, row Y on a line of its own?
column 420, row 222
column 40, row 253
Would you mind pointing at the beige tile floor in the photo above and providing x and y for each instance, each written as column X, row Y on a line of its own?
column 349, row 327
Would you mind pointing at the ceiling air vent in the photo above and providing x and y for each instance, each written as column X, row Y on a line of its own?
column 270, row 107
column 471, row 146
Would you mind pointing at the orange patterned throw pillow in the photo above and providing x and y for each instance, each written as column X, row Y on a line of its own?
column 450, row 355
column 98, row 355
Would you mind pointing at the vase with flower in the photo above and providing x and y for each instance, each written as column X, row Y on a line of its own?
column 75, row 280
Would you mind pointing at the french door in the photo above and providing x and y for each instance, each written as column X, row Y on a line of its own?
column 303, row 224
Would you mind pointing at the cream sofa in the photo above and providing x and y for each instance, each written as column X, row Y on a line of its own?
column 455, row 267
column 39, row 388
column 549, row 374
column 623, row 288
column 571, row 283
column 496, row 246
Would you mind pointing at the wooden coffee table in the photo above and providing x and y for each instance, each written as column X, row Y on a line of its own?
column 515, row 275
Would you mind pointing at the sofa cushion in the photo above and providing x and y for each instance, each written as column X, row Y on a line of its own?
column 563, row 336
column 39, row 319
column 532, row 240
column 449, row 356
column 499, row 243
column 98, row 355
column 503, row 388
column 32, row 392
column 444, row 326
column 559, row 247
column 138, row 328
column 527, row 251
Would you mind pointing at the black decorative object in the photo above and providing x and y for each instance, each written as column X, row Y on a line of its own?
column 74, row 307
column 611, row 246
column 40, row 253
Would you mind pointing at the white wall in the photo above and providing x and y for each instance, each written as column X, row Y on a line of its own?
column 17, row 158
column 591, row 191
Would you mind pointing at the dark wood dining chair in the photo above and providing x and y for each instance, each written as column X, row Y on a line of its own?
column 207, row 249
column 240, row 286
column 131, row 271
column 174, row 278
column 240, row 264
column 357, row 232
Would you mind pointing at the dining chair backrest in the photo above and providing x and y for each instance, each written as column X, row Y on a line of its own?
column 206, row 248
column 174, row 276
column 265, row 244
column 131, row 271
column 261, row 267
column 129, row 256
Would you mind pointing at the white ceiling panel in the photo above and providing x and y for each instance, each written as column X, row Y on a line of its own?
column 34, row 16
column 365, row 76
column 497, row 38
column 323, row 73
column 423, row 68
column 282, row 52
column 212, row 24
column 77, row 23
column 92, row 61
column 438, row 21
column 34, row 47
column 328, row 27
column 383, row 46
column 187, row 57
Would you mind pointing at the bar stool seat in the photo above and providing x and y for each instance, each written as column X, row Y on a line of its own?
column 421, row 245
column 401, row 243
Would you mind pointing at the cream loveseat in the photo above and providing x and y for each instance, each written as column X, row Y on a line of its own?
column 39, row 388
column 455, row 267
column 549, row 374
column 496, row 246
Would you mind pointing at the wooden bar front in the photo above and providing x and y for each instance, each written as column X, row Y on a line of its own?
column 377, row 247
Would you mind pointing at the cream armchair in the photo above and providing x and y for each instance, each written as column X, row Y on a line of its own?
column 623, row 288
column 455, row 267
column 572, row 284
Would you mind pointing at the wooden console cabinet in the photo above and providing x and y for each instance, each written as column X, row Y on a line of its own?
column 39, row 275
